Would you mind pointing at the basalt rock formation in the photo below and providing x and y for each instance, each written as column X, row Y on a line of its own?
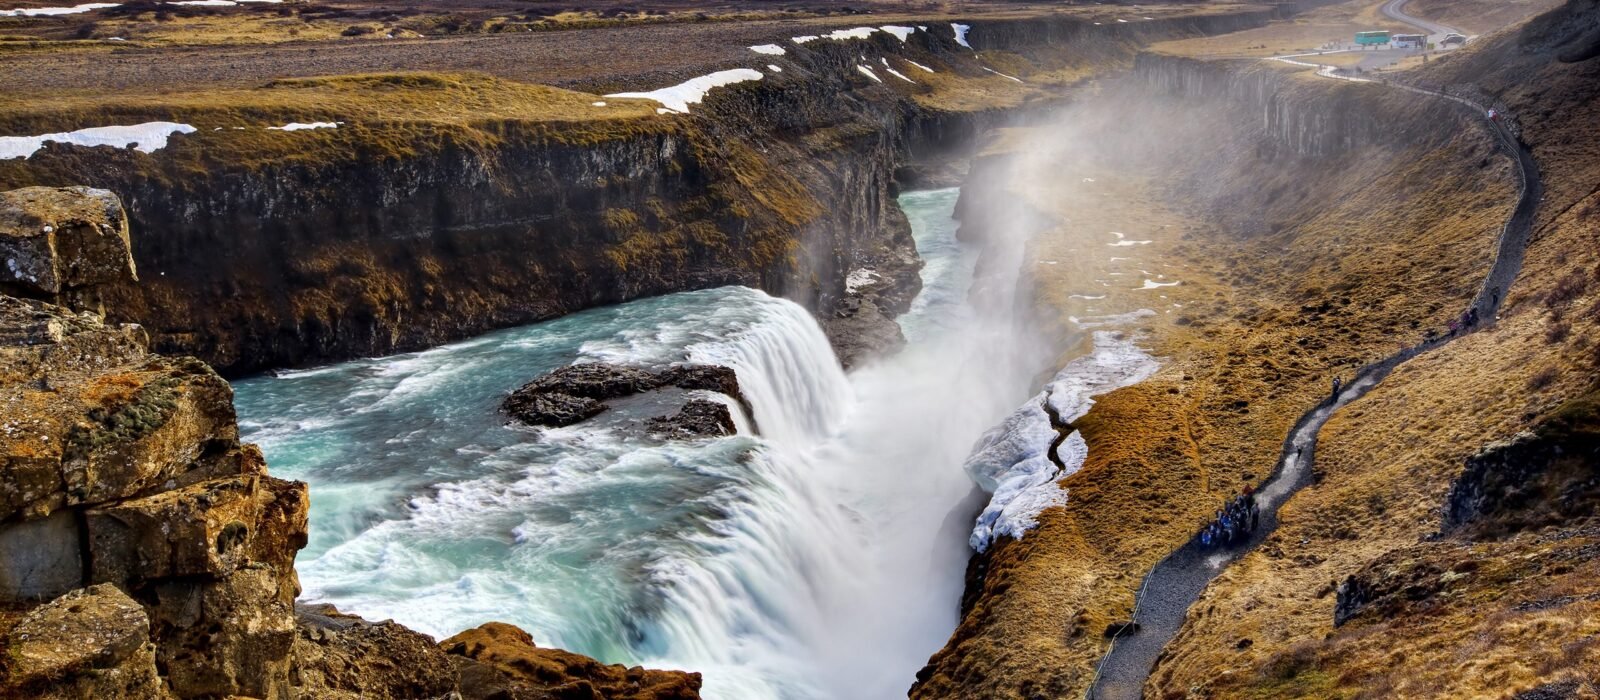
column 144, row 550
column 576, row 393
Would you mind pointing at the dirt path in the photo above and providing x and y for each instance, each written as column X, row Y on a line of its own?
column 1176, row 582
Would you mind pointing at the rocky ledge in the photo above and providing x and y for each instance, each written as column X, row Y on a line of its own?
column 144, row 550
column 576, row 393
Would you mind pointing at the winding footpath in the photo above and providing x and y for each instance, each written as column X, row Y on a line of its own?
column 1176, row 582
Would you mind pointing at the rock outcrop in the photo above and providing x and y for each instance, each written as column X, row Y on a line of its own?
column 532, row 672
column 144, row 551
column 65, row 241
column 578, row 392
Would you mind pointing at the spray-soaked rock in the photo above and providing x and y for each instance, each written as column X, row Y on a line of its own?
column 576, row 393
column 697, row 419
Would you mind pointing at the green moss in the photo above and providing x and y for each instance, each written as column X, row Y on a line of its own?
column 149, row 408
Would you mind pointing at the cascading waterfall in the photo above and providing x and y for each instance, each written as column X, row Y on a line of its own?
column 821, row 559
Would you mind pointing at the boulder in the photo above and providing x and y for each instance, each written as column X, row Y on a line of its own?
column 338, row 656
column 91, row 643
column 57, row 239
column 536, row 672
column 698, row 418
column 204, row 529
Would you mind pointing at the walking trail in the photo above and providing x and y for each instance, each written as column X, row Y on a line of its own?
column 1177, row 581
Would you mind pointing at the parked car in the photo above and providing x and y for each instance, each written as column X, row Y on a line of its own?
column 1452, row 39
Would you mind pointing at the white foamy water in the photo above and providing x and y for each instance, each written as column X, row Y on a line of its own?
column 822, row 558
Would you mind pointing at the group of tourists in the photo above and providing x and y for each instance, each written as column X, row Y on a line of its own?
column 1234, row 522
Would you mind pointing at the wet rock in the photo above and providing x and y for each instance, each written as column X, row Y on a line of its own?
column 56, row 240
column 576, row 393
column 535, row 672
column 551, row 409
column 859, row 330
column 722, row 380
column 594, row 380
column 90, row 643
column 697, row 419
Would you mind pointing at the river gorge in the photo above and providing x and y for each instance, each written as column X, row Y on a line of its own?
column 821, row 557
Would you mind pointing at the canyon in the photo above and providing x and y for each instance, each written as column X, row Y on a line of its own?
column 857, row 352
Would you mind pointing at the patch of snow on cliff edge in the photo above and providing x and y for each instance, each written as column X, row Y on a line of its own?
column 859, row 279
column 961, row 33
column 769, row 49
column 678, row 97
column 302, row 126
column 53, row 11
column 147, row 137
column 1012, row 460
column 901, row 33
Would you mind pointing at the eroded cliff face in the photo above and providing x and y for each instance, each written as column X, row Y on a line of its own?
column 146, row 553
column 389, row 236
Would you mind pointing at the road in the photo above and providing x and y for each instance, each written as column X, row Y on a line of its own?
column 1396, row 10
column 1163, row 601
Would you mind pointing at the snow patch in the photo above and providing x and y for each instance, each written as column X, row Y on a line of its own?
column 961, row 33
column 859, row 279
column 1012, row 462
column 1152, row 284
column 147, row 137
column 856, row 33
column 1003, row 75
column 901, row 33
column 597, row 104
column 919, row 65
column 774, row 68
column 52, row 11
column 677, row 98
column 303, row 126
column 894, row 72
column 769, row 49
column 804, row 39
column 868, row 72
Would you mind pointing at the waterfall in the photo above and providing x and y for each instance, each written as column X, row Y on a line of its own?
column 820, row 559
column 787, row 371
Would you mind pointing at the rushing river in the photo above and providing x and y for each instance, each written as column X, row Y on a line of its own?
column 822, row 559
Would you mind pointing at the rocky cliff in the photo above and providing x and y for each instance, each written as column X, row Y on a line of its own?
column 146, row 553
column 402, row 232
